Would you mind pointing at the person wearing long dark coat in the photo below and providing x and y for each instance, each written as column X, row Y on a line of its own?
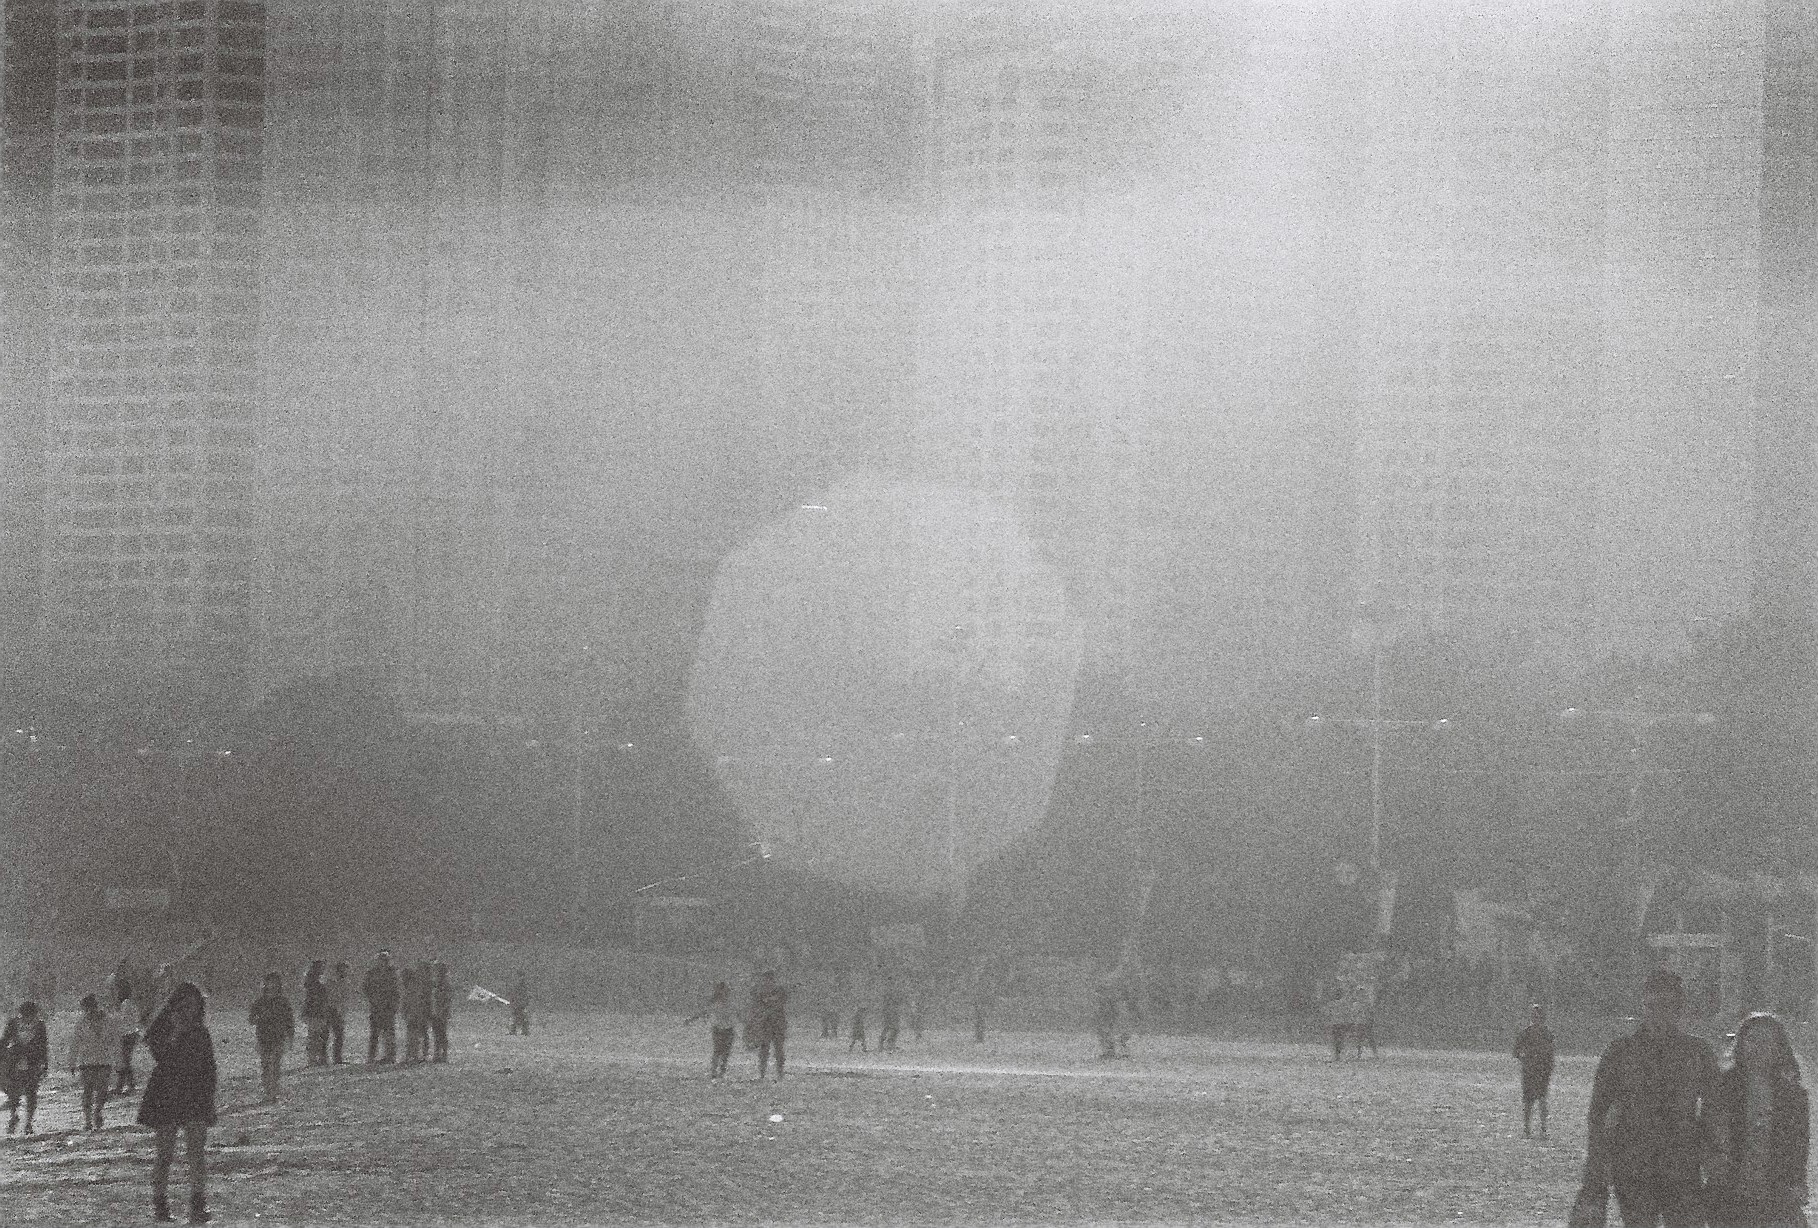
column 1760, row 1108
column 24, row 1057
column 180, row 1096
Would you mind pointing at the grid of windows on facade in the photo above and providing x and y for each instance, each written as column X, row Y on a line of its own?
column 158, row 144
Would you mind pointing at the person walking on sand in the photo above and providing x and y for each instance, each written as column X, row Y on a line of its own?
column 890, row 1014
column 335, row 992
column 1534, row 1051
column 381, row 990
column 94, row 1045
column 180, row 1096
column 859, row 1039
column 315, row 1014
column 1761, row 1109
column 414, row 1007
column 722, row 1024
column 1360, row 1004
column 24, row 1057
column 1651, row 1136
column 1337, row 1013
column 767, row 1018
column 520, row 1006
column 274, row 1028
column 441, row 1005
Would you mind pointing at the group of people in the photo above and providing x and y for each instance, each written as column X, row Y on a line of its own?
column 179, row 1096
column 766, row 1024
column 422, row 994
column 894, row 1005
column 1679, row 1140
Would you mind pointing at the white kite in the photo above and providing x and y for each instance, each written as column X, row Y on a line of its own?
column 480, row 993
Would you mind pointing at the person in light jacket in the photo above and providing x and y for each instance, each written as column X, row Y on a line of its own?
column 94, row 1045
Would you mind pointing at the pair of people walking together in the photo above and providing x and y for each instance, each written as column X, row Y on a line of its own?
column 1683, row 1143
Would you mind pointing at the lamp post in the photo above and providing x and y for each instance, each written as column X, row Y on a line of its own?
column 1637, row 722
column 1378, row 724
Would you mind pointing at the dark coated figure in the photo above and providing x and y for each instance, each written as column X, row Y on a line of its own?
column 1534, row 1053
column 767, row 1020
column 1650, row 1133
column 180, row 1097
column 1762, row 1110
column 24, row 1057
column 381, row 990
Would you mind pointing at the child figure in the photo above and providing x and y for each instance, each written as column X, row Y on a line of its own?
column 858, row 1040
column 1534, row 1050
column 274, row 1027
column 94, row 1044
column 520, row 1007
column 722, row 1021
column 24, row 1057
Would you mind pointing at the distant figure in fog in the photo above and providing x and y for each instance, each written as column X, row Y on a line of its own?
column 24, row 1057
column 1649, row 1137
column 335, row 992
column 1113, row 1014
column 441, row 1005
column 890, row 1015
column 180, row 1095
column 381, row 990
column 1762, row 1109
column 830, row 1005
column 1534, row 1051
column 1337, row 1012
column 1360, row 1012
column 315, row 1014
column 722, row 1026
column 766, row 1018
column 520, row 1006
column 413, row 1001
column 984, row 997
column 274, row 1027
column 94, row 1045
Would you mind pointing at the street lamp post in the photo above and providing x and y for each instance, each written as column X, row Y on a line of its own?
column 1638, row 722
column 1378, row 724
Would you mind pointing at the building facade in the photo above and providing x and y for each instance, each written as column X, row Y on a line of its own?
column 150, row 417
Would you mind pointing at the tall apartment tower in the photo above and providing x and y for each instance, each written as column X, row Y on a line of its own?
column 450, row 350
column 1029, row 381
column 28, row 93
column 1480, row 298
column 150, row 419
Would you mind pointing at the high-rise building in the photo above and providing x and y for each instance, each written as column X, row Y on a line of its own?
column 149, row 417
column 28, row 93
column 1480, row 297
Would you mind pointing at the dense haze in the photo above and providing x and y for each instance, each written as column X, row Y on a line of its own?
column 901, row 393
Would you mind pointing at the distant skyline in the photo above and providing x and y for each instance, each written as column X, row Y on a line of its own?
column 1251, row 312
